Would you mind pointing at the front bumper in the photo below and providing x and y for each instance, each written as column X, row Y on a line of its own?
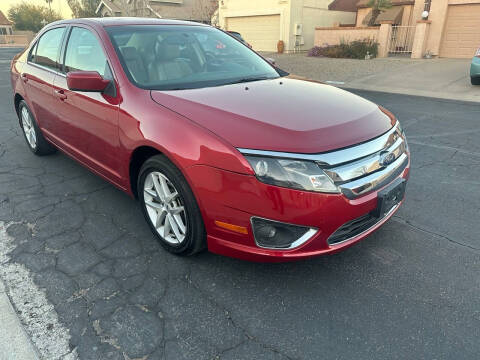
column 235, row 198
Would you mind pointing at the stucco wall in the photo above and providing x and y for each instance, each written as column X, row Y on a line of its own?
column 334, row 36
column 313, row 18
column 361, row 13
column 407, row 17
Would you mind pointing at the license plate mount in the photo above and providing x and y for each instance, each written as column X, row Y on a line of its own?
column 389, row 197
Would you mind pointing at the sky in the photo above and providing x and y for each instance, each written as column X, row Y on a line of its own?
column 60, row 6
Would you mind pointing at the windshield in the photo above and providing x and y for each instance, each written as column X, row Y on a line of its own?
column 174, row 57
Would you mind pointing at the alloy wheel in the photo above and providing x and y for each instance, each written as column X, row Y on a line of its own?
column 165, row 208
column 28, row 128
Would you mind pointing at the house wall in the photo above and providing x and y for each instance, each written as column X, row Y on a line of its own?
column 407, row 17
column 361, row 13
column 313, row 18
column 6, row 29
column 309, row 13
column 239, row 8
column 335, row 35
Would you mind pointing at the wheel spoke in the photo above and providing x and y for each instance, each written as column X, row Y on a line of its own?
column 173, row 224
column 158, row 187
column 177, row 210
column 166, row 190
column 33, row 137
column 179, row 222
column 152, row 193
column 154, row 205
column 171, row 197
column 161, row 214
column 166, row 227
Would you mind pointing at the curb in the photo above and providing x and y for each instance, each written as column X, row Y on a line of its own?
column 14, row 341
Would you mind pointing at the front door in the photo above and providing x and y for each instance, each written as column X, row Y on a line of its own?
column 88, row 120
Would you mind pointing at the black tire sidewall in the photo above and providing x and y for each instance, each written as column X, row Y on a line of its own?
column 195, row 236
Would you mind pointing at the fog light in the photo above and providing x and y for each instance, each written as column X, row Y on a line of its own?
column 276, row 235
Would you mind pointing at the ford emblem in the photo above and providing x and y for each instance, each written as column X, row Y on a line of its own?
column 386, row 158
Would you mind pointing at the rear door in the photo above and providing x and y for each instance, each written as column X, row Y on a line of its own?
column 88, row 121
column 38, row 75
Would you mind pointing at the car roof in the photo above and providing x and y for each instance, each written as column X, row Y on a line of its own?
column 121, row 21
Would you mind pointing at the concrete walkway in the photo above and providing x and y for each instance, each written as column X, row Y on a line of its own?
column 438, row 78
column 14, row 343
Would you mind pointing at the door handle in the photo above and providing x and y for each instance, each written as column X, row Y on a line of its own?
column 24, row 77
column 61, row 95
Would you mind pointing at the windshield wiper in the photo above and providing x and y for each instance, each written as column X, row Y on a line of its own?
column 249, row 79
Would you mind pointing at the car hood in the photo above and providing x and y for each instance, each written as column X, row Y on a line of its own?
column 285, row 114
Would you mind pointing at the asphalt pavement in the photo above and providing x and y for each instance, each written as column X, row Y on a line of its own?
column 89, row 280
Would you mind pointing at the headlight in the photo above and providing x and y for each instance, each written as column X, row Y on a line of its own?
column 294, row 174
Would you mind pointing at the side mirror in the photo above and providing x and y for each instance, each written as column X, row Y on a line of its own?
column 86, row 81
column 270, row 60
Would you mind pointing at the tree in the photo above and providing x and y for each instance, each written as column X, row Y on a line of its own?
column 204, row 10
column 49, row 2
column 83, row 8
column 26, row 16
column 377, row 7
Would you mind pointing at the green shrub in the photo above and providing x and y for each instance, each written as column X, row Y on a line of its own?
column 357, row 49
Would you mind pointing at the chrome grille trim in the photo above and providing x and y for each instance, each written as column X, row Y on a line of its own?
column 376, row 180
column 336, row 157
column 364, row 166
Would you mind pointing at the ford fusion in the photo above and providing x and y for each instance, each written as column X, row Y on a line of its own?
column 223, row 150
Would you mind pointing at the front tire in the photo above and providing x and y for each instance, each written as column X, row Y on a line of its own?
column 170, row 208
column 33, row 136
column 475, row 80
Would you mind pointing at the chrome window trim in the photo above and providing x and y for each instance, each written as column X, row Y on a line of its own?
column 335, row 157
column 300, row 241
column 45, row 68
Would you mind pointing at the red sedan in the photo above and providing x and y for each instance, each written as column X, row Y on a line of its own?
column 223, row 151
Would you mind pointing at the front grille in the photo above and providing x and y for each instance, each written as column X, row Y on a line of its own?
column 353, row 228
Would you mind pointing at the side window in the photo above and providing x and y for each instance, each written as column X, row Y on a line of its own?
column 33, row 53
column 84, row 53
column 48, row 47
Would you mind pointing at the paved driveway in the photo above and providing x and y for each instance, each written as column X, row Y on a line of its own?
column 410, row 291
column 440, row 78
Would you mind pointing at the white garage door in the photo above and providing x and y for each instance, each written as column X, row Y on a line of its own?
column 462, row 31
column 262, row 32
